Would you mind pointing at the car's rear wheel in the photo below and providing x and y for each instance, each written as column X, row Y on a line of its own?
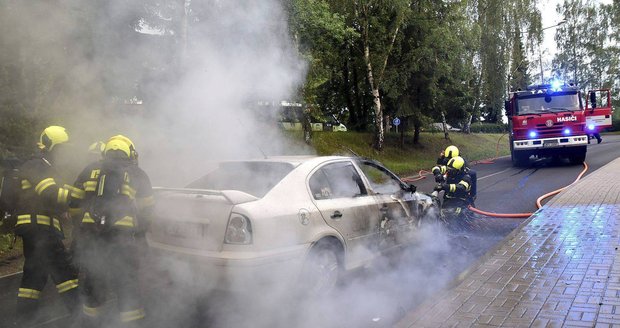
column 322, row 270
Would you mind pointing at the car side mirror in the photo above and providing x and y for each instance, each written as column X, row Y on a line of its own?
column 411, row 188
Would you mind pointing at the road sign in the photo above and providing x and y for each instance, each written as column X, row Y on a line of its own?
column 396, row 121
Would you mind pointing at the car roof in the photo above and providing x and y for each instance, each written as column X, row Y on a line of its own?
column 295, row 160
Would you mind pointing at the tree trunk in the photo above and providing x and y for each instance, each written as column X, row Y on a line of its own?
column 353, row 115
column 416, row 131
column 376, row 98
column 467, row 126
column 403, row 125
column 360, row 107
column 445, row 126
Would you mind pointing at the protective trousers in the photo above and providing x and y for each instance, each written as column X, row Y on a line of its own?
column 44, row 255
column 110, row 262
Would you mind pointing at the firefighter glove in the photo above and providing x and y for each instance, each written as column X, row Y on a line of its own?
column 439, row 178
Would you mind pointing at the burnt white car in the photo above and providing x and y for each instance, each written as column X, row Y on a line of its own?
column 300, row 220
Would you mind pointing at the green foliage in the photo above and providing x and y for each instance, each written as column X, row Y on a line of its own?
column 456, row 58
column 585, row 54
column 412, row 157
column 6, row 241
column 616, row 121
column 489, row 128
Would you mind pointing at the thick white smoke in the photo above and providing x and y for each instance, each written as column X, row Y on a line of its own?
column 227, row 56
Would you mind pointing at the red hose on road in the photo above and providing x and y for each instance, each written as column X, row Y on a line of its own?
column 538, row 201
column 423, row 173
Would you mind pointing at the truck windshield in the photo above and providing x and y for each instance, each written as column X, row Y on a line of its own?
column 543, row 103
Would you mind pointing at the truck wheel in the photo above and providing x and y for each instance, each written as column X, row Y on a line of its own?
column 520, row 159
column 578, row 157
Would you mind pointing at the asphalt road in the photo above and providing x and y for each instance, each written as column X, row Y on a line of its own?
column 381, row 294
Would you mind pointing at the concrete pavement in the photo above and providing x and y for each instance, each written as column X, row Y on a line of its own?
column 560, row 269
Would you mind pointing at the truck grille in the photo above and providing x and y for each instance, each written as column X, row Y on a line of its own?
column 543, row 130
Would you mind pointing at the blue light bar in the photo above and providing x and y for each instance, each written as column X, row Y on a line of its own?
column 567, row 132
column 556, row 85
column 533, row 134
column 591, row 127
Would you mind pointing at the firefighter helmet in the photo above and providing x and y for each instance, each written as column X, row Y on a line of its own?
column 456, row 163
column 451, row 151
column 122, row 143
column 52, row 136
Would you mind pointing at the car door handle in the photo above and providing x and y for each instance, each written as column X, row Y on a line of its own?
column 336, row 215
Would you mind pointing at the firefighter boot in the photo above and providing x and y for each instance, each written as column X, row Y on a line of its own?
column 26, row 312
column 87, row 319
column 71, row 300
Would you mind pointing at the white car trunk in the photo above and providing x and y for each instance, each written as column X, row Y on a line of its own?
column 194, row 218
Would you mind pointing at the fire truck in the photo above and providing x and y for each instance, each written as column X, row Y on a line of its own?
column 547, row 121
column 598, row 110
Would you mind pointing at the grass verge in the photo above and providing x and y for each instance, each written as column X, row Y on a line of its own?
column 405, row 158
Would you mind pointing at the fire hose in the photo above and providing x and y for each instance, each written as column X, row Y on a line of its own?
column 538, row 201
column 424, row 173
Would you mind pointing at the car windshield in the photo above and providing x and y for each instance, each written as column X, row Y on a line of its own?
column 543, row 103
column 254, row 178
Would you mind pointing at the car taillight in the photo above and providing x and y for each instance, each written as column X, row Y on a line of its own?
column 239, row 230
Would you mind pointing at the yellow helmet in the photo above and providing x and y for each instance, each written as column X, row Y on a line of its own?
column 456, row 163
column 52, row 136
column 451, row 151
column 97, row 147
column 122, row 143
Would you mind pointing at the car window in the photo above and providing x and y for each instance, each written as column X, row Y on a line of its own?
column 380, row 181
column 336, row 180
column 254, row 178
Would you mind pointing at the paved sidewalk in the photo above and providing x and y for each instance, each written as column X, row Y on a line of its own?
column 561, row 269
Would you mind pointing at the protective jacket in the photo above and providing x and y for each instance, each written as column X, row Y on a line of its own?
column 43, row 198
column 457, row 186
column 112, row 218
column 129, row 210
column 441, row 169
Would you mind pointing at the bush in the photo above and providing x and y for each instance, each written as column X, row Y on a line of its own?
column 489, row 128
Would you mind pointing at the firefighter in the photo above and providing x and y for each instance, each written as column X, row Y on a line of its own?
column 596, row 133
column 456, row 187
column 95, row 154
column 43, row 200
column 440, row 170
column 118, row 198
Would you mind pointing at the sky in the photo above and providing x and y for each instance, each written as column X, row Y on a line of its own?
column 550, row 18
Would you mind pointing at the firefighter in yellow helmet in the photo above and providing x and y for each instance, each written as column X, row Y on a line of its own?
column 456, row 187
column 113, row 218
column 439, row 171
column 43, row 200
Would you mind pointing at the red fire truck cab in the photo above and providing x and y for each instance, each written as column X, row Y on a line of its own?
column 547, row 121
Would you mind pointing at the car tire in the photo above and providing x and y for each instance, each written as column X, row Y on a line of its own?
column 322, row 270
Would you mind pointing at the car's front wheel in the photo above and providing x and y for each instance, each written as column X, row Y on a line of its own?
column 322, row 270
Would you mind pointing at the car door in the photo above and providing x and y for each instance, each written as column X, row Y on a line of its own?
column 396, row 209
column 343, row 200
